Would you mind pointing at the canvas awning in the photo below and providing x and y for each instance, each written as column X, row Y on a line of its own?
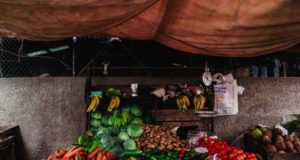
column 215, row 27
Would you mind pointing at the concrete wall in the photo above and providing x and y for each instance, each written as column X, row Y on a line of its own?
column 49, row 111
column 265, row 100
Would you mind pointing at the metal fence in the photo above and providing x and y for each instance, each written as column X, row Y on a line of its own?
column 16, row 62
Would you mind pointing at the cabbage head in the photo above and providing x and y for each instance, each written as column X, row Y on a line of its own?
column 103, row 131
column 134, row 130
column 96, row 115
column 104, row 120
column 95, row 123
column 136, row 110
column 129, row 144
column 136, row 121
column 116, row 150
column 123, row 136
column 108, row 141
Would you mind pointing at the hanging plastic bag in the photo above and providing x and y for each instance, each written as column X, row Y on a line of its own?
column 226, row 96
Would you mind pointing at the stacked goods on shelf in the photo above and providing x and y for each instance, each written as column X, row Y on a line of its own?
column 267, row 142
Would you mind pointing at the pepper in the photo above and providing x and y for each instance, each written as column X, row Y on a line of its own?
column 181, row 154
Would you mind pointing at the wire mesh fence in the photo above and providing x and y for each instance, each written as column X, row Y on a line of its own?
column 16, row 62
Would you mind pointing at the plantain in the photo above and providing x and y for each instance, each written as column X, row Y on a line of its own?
column 118, row 101
column 186, row 100
column 179, row 104
column 92, row 104
column 203, row 101
column 111, row 105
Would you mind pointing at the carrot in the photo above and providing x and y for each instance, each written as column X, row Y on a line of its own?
column 99, row 156
column 73, row 152
column 51, row 157
column 104, row 158
column 81, row 154
column 94, row 153
column 93, row 158
column 60, row 154
column 108, row 156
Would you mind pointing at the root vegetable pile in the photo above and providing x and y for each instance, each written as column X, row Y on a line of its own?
column 159, row 137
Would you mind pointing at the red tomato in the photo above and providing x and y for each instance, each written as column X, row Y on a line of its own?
column 232, row 156
column 225, row 157
column 240, row 157
column 239, row 151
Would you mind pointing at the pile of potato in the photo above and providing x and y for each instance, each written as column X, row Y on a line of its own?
column 276, row 142
column 159, row 137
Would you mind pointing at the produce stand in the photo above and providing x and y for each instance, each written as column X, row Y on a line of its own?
column 148, row 99
column 123, row 121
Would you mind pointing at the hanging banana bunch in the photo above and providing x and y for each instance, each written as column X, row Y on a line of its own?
column 115, row 100
column 95, row 101
column 199, row 102
column 114, row 103
column 183, row 103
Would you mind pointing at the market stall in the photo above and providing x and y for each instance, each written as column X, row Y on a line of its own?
column 169, row 119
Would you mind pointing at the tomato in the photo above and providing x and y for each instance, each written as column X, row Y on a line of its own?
column 240, row 157
column 223, row 152
column 225, row 157
column 239, row 151
column 232, row 156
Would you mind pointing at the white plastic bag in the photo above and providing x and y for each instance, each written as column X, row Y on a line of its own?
column 226, row 97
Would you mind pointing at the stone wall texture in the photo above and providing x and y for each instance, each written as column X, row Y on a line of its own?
column 49, row 111
column 266, row 101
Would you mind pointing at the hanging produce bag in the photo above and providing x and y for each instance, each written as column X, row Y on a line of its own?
column 226, row 95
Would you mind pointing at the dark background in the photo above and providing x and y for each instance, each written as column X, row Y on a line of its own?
column 126, row 57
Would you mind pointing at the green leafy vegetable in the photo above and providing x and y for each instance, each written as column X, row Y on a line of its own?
column 114, row 131
column 136, row 121
column 134, row 131
column 103, row 131
column 109, row 122
column 123, row 136
column 116, row 150
column 136, row 110
column 294, row 125
column 108, row 141
column 96, row 115
column 104, row 120
column 129, row 144
column 126, row 109
column 95, row 123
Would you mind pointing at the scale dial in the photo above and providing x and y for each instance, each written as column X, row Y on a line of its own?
column 207, row 78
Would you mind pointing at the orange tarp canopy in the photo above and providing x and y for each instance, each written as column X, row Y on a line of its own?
column 213, row 27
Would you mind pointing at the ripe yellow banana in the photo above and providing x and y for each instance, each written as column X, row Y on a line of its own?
column 186, row 101
column 203, row 101
column 199, row 102
column 97, row 99
column 92, row 104
column 118, row 101
column 112, row 104
column 179, row 104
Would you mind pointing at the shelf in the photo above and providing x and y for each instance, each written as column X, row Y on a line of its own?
column 207, row 114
